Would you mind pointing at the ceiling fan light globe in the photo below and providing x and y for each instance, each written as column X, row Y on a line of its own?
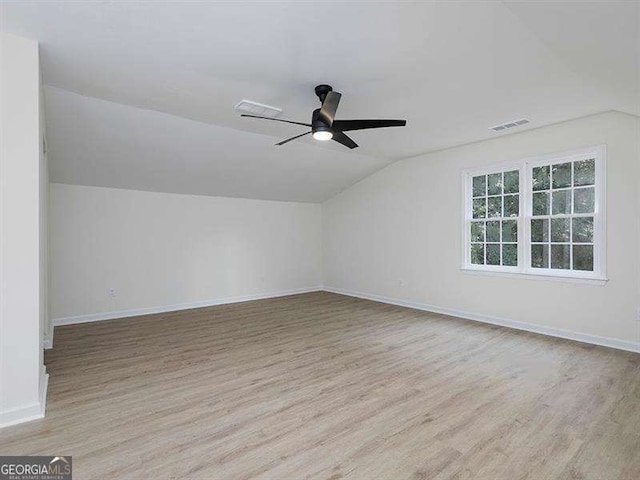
column 323, row 135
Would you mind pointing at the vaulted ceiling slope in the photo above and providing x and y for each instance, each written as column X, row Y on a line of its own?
column 141, row 94
column 95, row 142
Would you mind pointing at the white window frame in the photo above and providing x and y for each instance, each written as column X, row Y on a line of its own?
column 525, row 167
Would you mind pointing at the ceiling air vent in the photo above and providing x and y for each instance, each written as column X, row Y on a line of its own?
column 504, row 126
column 255, row 108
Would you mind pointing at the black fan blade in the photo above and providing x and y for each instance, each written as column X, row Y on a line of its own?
column 293, row 138
column 276, row 120
column 343, row 139
column 346, row 125
column 329, row 107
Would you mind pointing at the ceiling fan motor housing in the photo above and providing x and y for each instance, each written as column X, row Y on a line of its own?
column 317, row 125
column 322, row 90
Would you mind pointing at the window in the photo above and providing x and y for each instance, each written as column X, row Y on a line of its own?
column 542, row 216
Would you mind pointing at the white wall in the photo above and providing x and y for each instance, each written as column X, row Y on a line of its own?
column 160, row 250
column 22, row 375
column 403, row 225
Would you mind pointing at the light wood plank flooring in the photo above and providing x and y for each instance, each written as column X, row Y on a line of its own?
column 322, row 386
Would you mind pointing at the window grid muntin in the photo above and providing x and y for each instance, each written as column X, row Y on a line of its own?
column 503, row 195
column 550, row 190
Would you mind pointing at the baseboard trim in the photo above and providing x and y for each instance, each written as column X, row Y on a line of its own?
column 30, row 412
column 97, row 317
column 528, row 327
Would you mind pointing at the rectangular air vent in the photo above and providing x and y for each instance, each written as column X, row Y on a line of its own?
column 255, row 108
column 504, row 126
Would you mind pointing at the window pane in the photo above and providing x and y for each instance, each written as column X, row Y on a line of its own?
column 480, row 186
column 540, row 256
column 512, row 181
column 541, row 203
column 561, row 202
column 560, row 257
column 494, row 207
column 493, row 231
column 541, row 178
column 510, row 231
column 584, row 172
column 477, row 254
column 510, row 255
column 540, row 230
column 494, row 184
column 560, row 229
column 584, row 200
column 493, row 254
column 477, row 231
column 583, row 230
column 561, row 174
column 583, row 257
column 511, row 205
column 479, row 207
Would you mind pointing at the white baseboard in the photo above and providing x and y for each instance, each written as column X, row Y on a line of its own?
column 30, row 412
column 528, row 327
column 96, row 317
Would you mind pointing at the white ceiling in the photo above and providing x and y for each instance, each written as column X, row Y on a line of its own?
column 172, row 72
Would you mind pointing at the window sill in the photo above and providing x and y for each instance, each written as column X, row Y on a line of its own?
column 536, row 276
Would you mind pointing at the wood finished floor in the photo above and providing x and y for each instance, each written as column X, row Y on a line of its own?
column 323, row 386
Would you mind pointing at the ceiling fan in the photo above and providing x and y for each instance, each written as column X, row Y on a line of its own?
column 325, row 127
